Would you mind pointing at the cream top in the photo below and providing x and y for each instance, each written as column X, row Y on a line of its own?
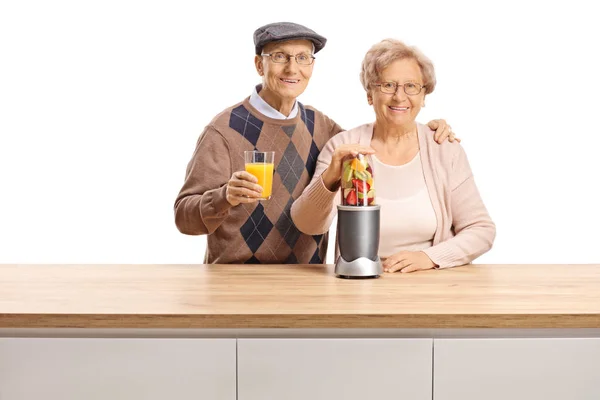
column 408, row 220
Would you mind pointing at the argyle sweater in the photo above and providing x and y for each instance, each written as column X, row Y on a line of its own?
column 261, row 232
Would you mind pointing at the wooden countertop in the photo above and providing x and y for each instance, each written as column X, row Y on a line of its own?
column 297, row 296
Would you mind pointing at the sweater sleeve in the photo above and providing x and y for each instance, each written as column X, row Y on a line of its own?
column 474, row 230
column 202, row 206
column 314, row 210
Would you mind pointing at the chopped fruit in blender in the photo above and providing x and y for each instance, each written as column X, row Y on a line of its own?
column 361, row 186
column 371, row 196
column 351, row 199
column 358, row 165
column 362, row 175
column 369, row 178
column 347, row 176
column 362, row 199
column 357, row 182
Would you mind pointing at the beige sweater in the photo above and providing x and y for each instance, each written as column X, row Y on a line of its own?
column 464, row 228
column 260, row 232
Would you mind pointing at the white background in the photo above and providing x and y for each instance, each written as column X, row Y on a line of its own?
column 101, row 104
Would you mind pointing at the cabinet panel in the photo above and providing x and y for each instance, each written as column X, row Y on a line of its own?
column 326, row 369
column 100, row 369
column 500, row 369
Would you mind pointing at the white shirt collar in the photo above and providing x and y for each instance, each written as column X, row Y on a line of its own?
column 264, row 108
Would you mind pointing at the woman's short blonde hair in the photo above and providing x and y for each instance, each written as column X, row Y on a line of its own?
column 382, row 54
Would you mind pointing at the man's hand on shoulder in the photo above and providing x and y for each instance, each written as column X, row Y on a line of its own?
column 442, row 130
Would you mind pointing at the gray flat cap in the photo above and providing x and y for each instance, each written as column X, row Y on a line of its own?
column 280, row 31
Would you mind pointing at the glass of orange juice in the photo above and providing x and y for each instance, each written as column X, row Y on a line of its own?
column 260, row 164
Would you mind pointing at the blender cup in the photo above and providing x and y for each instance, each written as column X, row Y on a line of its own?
column 357, row 186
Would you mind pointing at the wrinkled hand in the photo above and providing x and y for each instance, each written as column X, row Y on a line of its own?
column 442, row 130
column 242, row 188
column 332, row 175
column 408, row 261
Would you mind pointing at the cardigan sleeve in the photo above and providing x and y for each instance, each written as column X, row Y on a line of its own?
column 202, row 206
column 473, row 228
column 314, row 210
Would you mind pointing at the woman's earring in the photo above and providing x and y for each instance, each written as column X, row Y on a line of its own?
column 370, row 101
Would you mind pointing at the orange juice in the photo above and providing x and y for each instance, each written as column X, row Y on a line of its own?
column 264, row 173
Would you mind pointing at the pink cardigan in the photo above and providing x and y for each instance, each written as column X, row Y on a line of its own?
column 464, row 228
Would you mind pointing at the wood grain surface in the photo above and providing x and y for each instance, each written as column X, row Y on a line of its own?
column 297, row 296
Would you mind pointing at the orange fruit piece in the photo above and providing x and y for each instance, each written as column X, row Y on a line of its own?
column 357, row 165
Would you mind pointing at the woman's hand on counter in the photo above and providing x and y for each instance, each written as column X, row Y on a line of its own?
column 408, row 261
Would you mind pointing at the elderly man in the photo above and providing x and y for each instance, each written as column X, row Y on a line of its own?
column 220, row 199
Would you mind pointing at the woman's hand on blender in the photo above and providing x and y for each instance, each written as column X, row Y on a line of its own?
column 332, row 175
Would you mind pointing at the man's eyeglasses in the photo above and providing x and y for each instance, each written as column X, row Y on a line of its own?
column 410, row 88
column 282, row 58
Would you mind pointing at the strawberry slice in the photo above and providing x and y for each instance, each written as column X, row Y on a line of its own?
column 351, row 198
column 361, row 186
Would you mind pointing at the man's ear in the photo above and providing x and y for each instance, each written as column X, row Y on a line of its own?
column 258, row 63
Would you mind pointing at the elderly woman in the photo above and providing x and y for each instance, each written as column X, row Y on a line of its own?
column 432, row 215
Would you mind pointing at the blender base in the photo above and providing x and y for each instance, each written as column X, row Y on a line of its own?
column 361, row 268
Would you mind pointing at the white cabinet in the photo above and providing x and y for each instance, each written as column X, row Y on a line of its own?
column 500, row 369
column 117, row 369
column 326, row 369
column 299, row 369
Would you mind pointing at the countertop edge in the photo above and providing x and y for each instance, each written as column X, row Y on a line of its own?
column 295, row 321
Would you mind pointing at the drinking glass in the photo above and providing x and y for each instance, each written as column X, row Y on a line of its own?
column 261, row 164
